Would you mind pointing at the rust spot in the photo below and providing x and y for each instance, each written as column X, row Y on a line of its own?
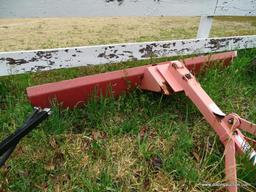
column 112, row 55
column 45, row 54
column 78, row 51
column 130, row 52
column 148, row 50
column 51, row 62
column 120, row 2
column 12, row 61
column 184, row 50
column 235, row 40
column 39, row 55
column 166, row 45
column 216, row 44
column 101, row 55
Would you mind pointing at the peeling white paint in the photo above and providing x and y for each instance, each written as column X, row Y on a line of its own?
column 42, row 60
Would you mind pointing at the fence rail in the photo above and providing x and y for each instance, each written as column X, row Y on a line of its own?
column 41, row 60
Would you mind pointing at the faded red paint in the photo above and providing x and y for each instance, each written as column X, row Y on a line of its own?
column 74, row 92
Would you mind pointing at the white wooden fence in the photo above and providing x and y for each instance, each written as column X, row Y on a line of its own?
column 39, row 60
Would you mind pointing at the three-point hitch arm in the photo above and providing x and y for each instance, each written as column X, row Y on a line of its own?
column 179, row 78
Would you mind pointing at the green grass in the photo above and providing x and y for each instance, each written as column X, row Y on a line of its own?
column 141, row 141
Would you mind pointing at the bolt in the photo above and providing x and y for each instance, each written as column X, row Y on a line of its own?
column 174, row 65
column 231, row 121
column 235, row 133
column 188, row 76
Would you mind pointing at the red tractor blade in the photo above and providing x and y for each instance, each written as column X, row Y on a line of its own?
column 75, row 92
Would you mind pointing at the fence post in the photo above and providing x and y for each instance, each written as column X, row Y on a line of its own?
column 204, row 27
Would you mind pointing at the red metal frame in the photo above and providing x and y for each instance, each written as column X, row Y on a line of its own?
column 226, row 126
column 168, row 77
column 75, row 92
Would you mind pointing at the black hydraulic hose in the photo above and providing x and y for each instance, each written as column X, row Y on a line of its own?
column 6, row 155
column 8, row 145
